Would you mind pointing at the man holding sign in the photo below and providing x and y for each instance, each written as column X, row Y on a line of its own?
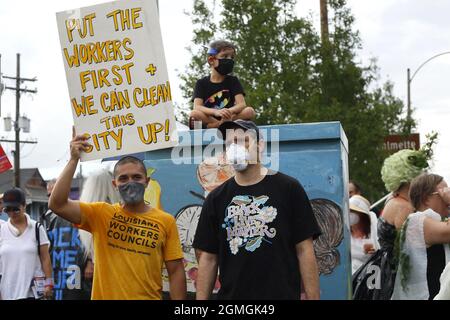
column 131, row 239
column 121, row 101
column 119, row 88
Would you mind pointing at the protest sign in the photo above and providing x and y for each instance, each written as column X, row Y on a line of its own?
column 116, row 72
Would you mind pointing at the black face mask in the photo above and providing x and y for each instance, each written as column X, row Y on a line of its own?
column 225, row 66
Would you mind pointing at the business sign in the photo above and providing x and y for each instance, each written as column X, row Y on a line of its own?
column 394, row 143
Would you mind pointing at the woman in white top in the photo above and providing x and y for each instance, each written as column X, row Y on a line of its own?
column 363, row 229
column 424, row 238
column 23, row 261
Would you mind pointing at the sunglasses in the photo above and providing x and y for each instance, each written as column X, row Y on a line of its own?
column 13, row 209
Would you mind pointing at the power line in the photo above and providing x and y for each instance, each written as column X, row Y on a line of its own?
column 29, row 153
column 17, row 126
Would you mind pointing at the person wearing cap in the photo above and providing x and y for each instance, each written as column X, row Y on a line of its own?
column 363, row 223
column 24, row 252
column 219, row 97
column 257, row 228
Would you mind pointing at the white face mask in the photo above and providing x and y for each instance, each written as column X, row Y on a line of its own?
column 238, row 156
column 354, row 218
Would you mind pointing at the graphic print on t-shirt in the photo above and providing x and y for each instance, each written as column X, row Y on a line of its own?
column 133, row 234
column 219, row 100
column 67, row 260
column 246, row 222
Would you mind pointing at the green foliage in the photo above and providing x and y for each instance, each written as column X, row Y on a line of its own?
column 204, row 31
column 427, row 148
column 291, row 76
column 401, row 258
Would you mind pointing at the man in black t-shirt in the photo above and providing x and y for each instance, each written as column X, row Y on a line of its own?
column 257, row 228
column 219, row 97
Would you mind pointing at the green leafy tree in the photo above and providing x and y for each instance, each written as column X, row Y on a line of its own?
column 291, row 76
column 204, row 31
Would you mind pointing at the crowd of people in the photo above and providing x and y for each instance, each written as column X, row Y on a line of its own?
column 131, row 240
column 112, row 244
column 408, row 251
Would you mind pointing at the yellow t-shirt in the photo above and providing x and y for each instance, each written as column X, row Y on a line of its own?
column 129, row 250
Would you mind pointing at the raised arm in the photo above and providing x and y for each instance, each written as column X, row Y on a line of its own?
column 436, row 232
column 59, row 201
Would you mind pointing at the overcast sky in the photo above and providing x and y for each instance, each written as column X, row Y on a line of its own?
column 399, row 33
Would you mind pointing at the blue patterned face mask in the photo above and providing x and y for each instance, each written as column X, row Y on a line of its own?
column 238, row 156
column 132, row 192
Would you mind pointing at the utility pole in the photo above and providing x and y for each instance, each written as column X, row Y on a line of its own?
column 324, row 21
column 17, row 127
column 408, row 100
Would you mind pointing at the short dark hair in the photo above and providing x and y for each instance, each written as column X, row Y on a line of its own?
column 357, row 186
column 217, row 46
column 423, row 186
column 129, row 159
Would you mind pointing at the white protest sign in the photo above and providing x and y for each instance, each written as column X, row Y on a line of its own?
column 117, row 77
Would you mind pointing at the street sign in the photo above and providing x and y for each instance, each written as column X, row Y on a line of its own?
column 396, row 142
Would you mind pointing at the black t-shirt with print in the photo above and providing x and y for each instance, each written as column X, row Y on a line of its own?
column 254, row 230
column 218, row 95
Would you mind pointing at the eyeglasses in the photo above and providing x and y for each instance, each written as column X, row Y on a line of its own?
column 9, row 209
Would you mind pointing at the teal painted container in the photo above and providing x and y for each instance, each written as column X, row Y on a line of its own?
column 315, row 154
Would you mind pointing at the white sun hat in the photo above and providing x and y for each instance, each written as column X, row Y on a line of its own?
column 359, row 204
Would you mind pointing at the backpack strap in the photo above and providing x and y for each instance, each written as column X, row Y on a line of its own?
column 38, row 238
